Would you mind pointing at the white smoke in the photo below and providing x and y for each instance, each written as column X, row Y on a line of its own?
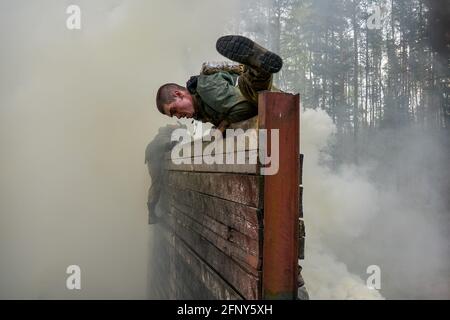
column 76, row 112
column 77, row 108
column 335, row 204
column 352, row 221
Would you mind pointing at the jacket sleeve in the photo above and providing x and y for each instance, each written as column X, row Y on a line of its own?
column 242, row 111
column 218, row 91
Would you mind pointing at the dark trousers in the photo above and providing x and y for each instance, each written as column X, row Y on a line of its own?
column 253, row 80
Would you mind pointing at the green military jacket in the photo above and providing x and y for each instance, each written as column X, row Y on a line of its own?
column 218, row 98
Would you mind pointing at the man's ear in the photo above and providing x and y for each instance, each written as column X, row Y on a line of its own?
column 178, row 93
column 165, row 109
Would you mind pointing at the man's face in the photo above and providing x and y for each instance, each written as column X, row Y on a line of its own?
column 181, row 107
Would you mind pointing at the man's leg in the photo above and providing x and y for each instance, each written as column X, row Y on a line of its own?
column 154, row 193
column 252, row 81
column 248, row 52
column 259, row 63
column 152, row 201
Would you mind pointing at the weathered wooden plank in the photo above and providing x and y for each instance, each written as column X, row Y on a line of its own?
column 242, row 162
column 244, row 219
column 221, row 216
column 300, row 201
column 248, row 261
column 301, row 228
column 203, row 219
column 225, row 168
column 230, row 237
column 189, row 286
column 245, row 283
column 300, row 179
column 301, row 248
column 249, row 245
column 159, row 267
column 218, row 288
column 280, row 111
column 300, row 169
column 235, row 157
column 186, row 285
column 241, row 188
column 203, row 284
column 172, row 275
column 236, row 275
column 302, row 235
column 247, row 253
column 240, row 140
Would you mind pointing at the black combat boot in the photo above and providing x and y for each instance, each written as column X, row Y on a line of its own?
column 246, row 51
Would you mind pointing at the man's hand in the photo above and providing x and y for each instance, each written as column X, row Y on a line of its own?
column 223, row 127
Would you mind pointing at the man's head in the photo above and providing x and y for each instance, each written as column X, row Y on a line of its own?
column 174, row 100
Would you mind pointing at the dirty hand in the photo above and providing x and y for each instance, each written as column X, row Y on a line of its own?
column 223, row 127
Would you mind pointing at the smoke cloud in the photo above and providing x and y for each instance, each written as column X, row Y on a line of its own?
column 390, row 211
column 76, row 112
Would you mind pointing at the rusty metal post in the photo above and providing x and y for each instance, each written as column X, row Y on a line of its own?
column 281, row 196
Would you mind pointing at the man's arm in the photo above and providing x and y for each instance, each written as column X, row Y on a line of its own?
column 242, row 111
column 218, row 92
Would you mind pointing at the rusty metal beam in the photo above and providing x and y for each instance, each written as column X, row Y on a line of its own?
column 281, row 196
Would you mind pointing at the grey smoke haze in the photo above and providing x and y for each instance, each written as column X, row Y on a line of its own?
column 76, row 112
column 391, row 210
column 410, row 234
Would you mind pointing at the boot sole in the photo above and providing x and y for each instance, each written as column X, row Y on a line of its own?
column 245, row 51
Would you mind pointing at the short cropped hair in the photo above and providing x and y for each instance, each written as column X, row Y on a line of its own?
column 165, row 95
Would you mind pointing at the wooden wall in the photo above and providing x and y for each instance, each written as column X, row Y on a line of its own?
column 210, row 242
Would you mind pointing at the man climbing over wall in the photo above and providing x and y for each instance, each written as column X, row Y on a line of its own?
column 225, row 96
column 154, row 158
